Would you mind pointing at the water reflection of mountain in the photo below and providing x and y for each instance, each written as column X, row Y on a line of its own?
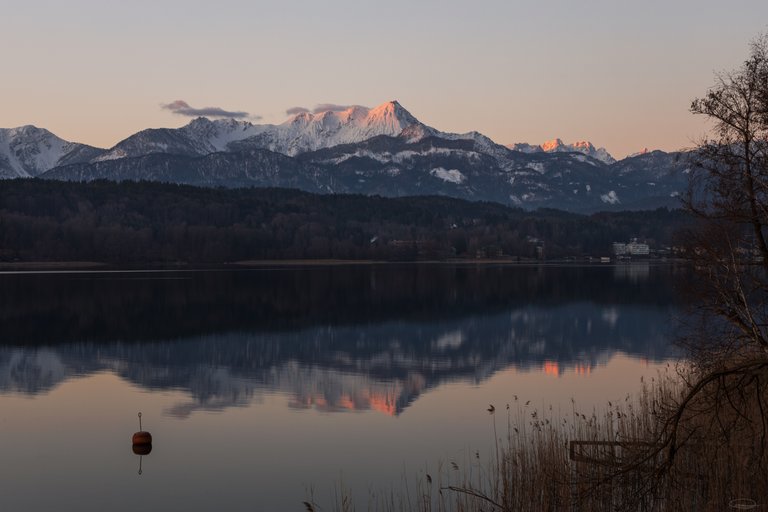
column 382, row 366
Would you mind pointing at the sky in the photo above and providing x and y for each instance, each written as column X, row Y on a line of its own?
column 620, row 74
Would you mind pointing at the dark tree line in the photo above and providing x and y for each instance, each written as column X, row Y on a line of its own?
column 55, row 308
column 147, row 222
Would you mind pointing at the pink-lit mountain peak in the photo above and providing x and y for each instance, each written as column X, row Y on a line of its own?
column 389, row 118
column 584, row 144
column 552, row 145
column 558, row 146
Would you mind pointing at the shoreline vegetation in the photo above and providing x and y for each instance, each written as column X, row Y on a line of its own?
column 148, row 223
column 48, row 266
column 615, row 458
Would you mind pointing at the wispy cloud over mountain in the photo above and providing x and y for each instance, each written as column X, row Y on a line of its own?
column 332, row 107
column 183, row 108
column 296, row 110
column 320, row 108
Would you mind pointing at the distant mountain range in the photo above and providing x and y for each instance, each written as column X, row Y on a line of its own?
column 383, row 150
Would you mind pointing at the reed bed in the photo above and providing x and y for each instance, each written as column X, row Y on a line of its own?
column 626, row 456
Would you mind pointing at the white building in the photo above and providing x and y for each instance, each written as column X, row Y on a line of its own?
column 633, row 248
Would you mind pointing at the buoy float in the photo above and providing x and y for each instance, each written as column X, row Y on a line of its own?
column 142, row 443
column 141, row 438
column 142, row 449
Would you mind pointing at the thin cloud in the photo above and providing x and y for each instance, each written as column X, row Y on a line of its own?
column 183, row 108
column 296, row 110
column 331, row 107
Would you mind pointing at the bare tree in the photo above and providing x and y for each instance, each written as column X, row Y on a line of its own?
column 714, row 433
column 706, row 444
column 728, row 194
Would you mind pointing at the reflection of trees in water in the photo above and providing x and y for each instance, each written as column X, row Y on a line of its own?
column 50, row 309
column 384, row 366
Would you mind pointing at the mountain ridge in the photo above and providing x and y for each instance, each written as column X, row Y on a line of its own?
column 383, row 150
column 556, row 145
column 28, row 151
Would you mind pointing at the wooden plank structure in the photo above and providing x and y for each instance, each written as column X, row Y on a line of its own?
column 605, row 453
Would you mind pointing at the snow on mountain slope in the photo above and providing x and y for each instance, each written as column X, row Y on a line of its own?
column 30, row 151
column 300, row 133
column 200, row 137
column 309, row 132
column 396, row 166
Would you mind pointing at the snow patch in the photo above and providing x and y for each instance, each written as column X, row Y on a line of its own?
column 536, row 166
column 112, row 155
column 610, row 198
column 450, row 175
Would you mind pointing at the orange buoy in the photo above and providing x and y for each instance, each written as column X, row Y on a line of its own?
column 141, row 438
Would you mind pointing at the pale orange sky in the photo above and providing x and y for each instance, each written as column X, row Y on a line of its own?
column 617, row 73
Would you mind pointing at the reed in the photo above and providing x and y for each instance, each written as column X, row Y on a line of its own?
column 622, row 457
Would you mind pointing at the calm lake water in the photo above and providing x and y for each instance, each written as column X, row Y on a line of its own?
column 261, row 386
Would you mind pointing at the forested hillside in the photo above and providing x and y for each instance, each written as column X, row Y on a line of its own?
column 130, row 222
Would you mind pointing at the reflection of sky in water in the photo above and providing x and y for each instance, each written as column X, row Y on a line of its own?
column 246, row 418
column 71, row 445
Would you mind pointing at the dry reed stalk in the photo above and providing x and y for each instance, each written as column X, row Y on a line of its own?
column 623, row 461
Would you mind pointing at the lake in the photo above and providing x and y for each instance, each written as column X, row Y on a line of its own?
column 263, row 386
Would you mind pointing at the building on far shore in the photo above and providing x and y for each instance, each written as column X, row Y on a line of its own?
column 633, row 248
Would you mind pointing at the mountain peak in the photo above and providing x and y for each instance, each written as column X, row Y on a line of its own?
column 557, row 145
column 29, row 151
column 26, row 131
column 553, row 145
column 200, row 121
column 393, row 106
column 584, row 145
column 393, row 115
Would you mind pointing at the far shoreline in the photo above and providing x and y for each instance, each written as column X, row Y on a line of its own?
column 96, row 266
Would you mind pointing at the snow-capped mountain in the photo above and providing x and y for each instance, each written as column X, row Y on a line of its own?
column 558, row 146
column 433, row 165
column 29, row 151
column 200, row 137
column 300, row 133
column 383, row 150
